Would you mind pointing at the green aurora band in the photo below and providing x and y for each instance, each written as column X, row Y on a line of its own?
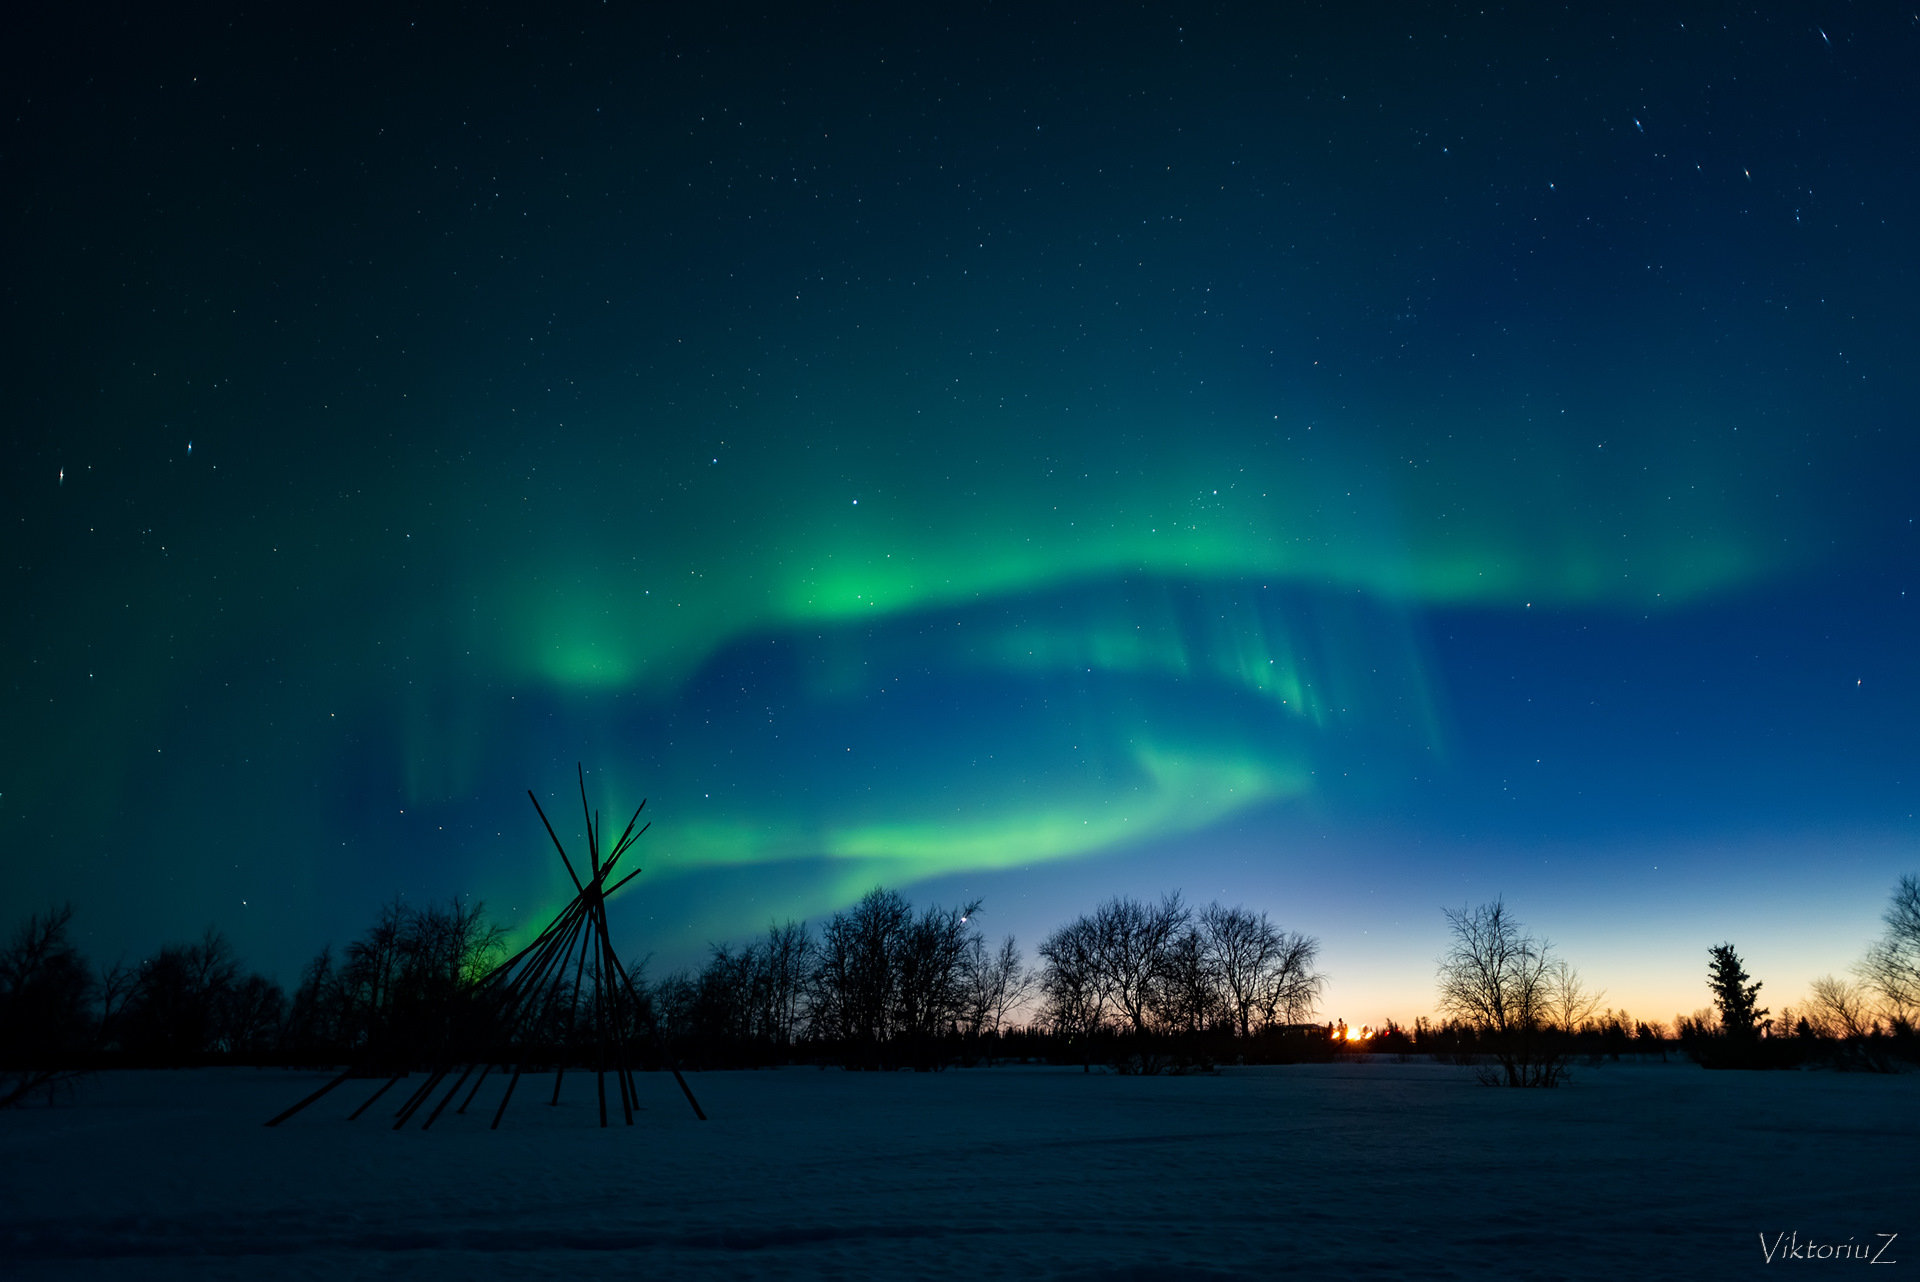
column 992, row 547
column 895, row 479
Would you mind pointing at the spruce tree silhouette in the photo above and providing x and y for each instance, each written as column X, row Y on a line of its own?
column 1735, row 997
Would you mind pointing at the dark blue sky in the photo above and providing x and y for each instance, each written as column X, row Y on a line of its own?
column 1349, row 461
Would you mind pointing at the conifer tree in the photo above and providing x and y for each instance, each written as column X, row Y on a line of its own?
column 1735, row 997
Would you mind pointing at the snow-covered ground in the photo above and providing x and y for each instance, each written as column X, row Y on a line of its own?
column 1377, row 1169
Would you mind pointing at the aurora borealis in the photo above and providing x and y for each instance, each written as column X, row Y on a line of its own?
column 1343, row 461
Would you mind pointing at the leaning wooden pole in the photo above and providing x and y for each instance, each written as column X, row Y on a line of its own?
column 311, row 1098
column 476, row 1088
column 573, row 1023
column 525, row 997
column 368, row 1102
column 684, row 1088
column 611, row 963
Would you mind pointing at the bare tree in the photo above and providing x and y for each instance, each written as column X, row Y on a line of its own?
column 1244, row 948
column 1892, row 964
column 1498, row 981
column 251, row 1016
column 1569, row 1002
column 116, row 985
column 993, row 983
column 1074, row 988
column 787, row 955
column 641, row 1019
column 1838, row 1008
column 316, row 1022
column 724, row 995
column 369, row 974
column 674, row 998
column 1186, row 996
column 1287, row 988
column 46, row 1019
column 173, row 1014
column 932, row 968
column 407, row 978
column 883, row 975
column 855, row 983
column 1132, row 941
column 1494, row 975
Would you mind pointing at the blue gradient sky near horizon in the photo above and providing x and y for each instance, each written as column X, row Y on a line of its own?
column 1346, row 462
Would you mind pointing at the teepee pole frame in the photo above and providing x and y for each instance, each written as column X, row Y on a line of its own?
column 526, row 1004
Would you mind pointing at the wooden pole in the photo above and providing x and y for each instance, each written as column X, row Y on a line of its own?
column 419, row 1097
column 626, row 837
column 573, row 1014
column 447, row 1098
column 600, row 1055
column 684, row 1088
column 525, row 991
column 355, row 1115
column 610, row 963
column 688, row 1092
column 476, row 1088
column 556, row 841
column 593, row 847
column 311, row 1098
column 502, row 1110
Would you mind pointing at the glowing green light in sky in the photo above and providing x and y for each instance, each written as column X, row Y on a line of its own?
column 782, row 531
column 1172, row 794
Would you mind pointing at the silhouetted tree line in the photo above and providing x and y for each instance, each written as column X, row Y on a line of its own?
column 1152, row 987
column 399, row 991
column 1866, row 1023
column 48, row 1002
column 1521, row 1015
column 1606, row 1035
column 1139, row 987
column 879, row 985
column 403, row 981
column 187, row 1004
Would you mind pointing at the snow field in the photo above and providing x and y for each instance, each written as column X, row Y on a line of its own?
column 1367, row 1168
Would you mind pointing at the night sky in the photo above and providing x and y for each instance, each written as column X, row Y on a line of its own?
column 1344, row 461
